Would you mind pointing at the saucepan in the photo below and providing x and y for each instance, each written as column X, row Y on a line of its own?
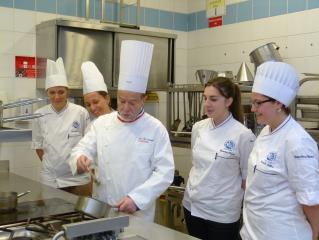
column 92, row 207
column 9, row 200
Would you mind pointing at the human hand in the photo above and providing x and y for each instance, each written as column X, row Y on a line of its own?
column 83, row 164
column 127, row 205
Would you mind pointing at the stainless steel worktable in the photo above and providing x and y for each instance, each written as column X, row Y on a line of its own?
column 137, row 226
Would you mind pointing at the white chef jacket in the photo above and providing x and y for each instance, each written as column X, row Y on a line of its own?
column 283, row 173
column 135, row 159
column 220, row 155
column 57, row 133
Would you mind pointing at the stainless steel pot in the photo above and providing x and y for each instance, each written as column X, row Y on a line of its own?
column 9, row 200
column 267, row 52
column 91, row 207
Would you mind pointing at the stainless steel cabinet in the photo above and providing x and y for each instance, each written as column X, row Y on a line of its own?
column 77, row 41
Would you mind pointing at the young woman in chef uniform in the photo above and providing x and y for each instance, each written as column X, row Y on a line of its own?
column 221, row 145
column 55, row 134
column 97, row 102
column 132, row 149
column 96, row 98
column 282, row 188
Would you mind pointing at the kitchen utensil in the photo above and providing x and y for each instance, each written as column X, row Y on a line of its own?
column 177, row 121
column 205, row 75
column 9, row 200
column 93, row 177
column 267, row 52
column 92, row 207
column 244, row 75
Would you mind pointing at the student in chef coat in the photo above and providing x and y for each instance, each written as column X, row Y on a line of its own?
column 55, row 134
column 95, row 94
column 132, row 148
column 282, row 188
column 221, row 145
column 96, row 100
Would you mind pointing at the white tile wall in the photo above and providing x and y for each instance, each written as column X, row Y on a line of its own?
column 24, row 44
column 24, row 21
column 6, row 42
column 222, row 48
column 6, row 19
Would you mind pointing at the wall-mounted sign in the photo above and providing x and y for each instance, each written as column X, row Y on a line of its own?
column 25, row 67
column 215, row 21
column 215, row 8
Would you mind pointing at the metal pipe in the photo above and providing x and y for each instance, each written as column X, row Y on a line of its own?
column 22, row 117
column 102, row 9
column 87, row 9
column 20, row 103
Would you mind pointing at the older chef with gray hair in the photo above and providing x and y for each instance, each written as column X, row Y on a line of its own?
column 132, row 148
column 55, row 134
column 282, row 187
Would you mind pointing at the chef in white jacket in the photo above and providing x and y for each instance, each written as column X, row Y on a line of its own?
column 131, row 147
column 56, row 133
column 282, row 186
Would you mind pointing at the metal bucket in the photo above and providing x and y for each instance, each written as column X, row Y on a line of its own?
column 265, row 53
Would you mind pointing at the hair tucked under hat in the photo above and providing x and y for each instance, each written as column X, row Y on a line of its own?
column 277, row 80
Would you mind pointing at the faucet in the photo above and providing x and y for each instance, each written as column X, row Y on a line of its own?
column 18, row 104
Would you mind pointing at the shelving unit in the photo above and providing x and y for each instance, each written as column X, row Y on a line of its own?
column 308, row 108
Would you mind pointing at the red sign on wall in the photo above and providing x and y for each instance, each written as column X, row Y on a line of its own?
column 25, row 67
column 215, row 21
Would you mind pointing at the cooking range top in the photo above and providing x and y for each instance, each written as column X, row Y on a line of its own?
column 36, row 209
column 56, row 218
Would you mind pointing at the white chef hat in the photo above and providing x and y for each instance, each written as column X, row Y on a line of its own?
column 135, row 63
column 93, row 80
column 55, row 74
column 277, row 80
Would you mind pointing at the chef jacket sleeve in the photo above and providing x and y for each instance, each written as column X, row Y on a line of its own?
column 37, row 136
column 162, row 164
column 245, row 146
column 303, row 170
column 87, row 146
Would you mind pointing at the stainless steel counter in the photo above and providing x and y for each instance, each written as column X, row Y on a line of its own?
column 137, row 226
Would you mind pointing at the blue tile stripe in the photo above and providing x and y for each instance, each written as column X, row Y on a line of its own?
column 235, row 13
column 25, row 4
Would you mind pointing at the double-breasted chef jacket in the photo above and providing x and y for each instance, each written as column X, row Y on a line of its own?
column 220, row 155
column 282, row 175
column 57, row 133
column 135, row 159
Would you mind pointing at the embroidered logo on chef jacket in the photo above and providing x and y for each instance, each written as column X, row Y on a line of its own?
column 76, row 124
column 229, row 145
column 270, row 159
column 145, row 140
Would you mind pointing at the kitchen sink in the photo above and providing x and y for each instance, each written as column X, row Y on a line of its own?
column 15, row 134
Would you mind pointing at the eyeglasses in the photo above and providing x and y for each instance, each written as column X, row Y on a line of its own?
column 257, row 104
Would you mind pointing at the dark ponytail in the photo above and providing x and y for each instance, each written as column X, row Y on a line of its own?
column 228, row 89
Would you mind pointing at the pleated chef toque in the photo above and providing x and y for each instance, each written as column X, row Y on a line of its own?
column 277, row 80
column 55, row 74
column 93, row 80
column 135, row 63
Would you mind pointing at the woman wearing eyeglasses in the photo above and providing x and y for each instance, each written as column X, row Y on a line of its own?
column 282, row 187
column 221, row 145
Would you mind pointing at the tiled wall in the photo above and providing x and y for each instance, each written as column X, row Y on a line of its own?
column 17, row 37
column 166, row 14
column 292, row 24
